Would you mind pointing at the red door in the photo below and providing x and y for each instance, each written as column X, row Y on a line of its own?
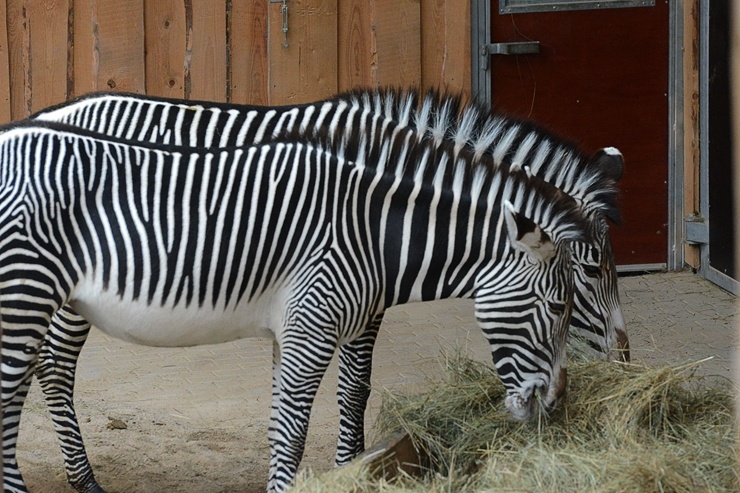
column 600, row 79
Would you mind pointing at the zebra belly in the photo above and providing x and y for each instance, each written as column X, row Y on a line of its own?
column 137, row 322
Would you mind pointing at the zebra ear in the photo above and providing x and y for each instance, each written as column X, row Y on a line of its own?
column 527, row 236
column 610, row 161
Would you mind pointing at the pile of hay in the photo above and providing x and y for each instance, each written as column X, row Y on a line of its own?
column 624, row 427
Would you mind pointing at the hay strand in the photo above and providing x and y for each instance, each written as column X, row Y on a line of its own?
column 623, row 427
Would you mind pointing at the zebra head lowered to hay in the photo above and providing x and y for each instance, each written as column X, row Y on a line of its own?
column 596, row 316
column 289, row 240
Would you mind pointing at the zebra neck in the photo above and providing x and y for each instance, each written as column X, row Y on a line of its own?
column 432, row 241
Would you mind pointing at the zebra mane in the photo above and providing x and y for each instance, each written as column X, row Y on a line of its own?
column 405, row 152
column 511, row 142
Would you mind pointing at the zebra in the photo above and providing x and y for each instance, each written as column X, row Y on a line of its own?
column 213, row 124
column 597, row 327
column 413, row 222
column 598, row 322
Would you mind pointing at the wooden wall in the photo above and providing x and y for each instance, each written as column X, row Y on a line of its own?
column 227, row 50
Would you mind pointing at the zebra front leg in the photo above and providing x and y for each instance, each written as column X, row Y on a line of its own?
column 298, row 367
column 55, row 372
column 353, row 392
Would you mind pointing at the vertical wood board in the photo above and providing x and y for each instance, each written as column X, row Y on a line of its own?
column 307, row 69
column 118, row 38
column 398, row 39
column 5, row 114
column 85, row 59
column 206, row 49
column 355, row 56
column 17, row 59
column 691, row 152
column 47, row 30
column 248, row 52
column 165, row 48
column 445, row 45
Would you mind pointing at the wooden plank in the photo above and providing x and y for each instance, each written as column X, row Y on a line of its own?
column 205, row 58
column 118, row 32
column 248, row 52
column 83, row 51
column 692, row 159
column 4, row 68
column 164, row 22
column 307, row 69
column 354, row 53
column 398, row 41
column 445, row 45
column 47, row 30
column 17, row 60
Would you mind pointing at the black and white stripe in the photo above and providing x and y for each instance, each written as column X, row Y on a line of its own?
column 366, row 113
column 82, row 215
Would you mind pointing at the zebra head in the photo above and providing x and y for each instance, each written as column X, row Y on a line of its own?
column 524, row 303
column 597, row 323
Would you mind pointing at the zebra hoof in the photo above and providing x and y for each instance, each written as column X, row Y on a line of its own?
column 88, row 487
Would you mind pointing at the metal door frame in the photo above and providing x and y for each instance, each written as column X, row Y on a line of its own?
column 705, row 269
column 481, row 89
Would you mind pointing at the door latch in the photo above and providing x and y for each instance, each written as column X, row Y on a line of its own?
column 516, row 48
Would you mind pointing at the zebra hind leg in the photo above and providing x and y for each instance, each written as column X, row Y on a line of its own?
column 55, row 372
column 353, row 392
column 24, row 328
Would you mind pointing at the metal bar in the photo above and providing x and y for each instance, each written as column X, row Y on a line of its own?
column 518, row 48
column 480, row 34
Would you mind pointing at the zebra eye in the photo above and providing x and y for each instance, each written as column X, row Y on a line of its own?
column 591, row 270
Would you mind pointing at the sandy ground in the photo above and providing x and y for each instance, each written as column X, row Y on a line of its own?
column 196, row 418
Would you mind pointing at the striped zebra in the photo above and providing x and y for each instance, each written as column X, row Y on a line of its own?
column 212, row 124
column 287, row 240
column 598, row 325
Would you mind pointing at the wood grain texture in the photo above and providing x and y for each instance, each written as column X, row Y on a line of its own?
column 165, row 48
column 355, row 56
column 691, row 151
column 307, row 69
column 85, row 59
column 206, row 47
column 118, row 40
column 398, row 40
column 46, row 32
column 248, row 52
column 5, row 115
column 445, row 45
column 17, row 59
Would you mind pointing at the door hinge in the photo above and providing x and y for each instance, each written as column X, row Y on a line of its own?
column 696, row 230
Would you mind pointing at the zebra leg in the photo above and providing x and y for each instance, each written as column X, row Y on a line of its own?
column 298, row 367
column 55, row 372
column 23, row 334
column 353, row 392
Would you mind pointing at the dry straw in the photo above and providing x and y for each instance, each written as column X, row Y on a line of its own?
column 624, row 427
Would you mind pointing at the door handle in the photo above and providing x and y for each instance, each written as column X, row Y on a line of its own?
column 516, row 48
